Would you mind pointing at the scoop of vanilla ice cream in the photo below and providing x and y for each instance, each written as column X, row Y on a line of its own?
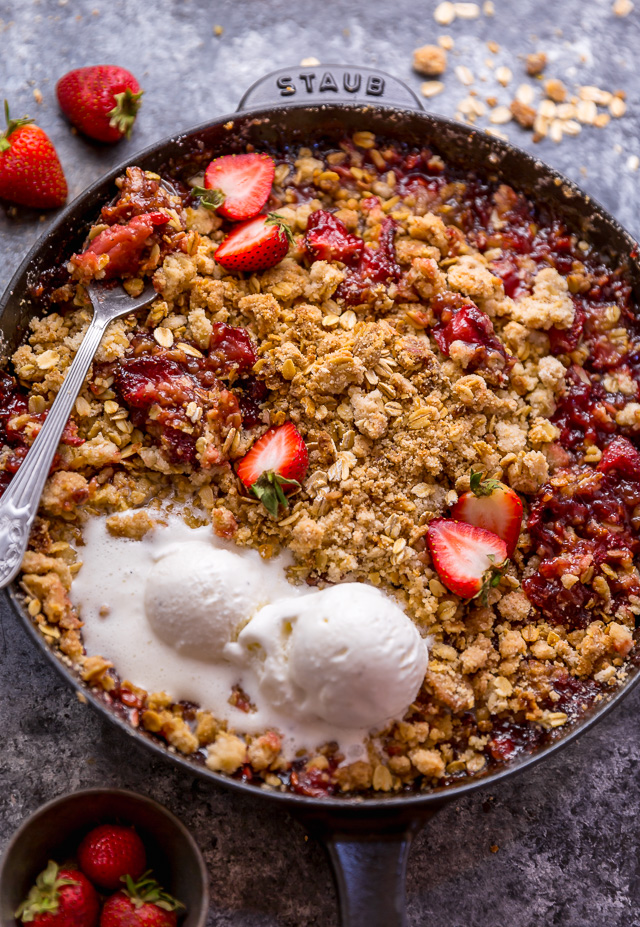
column 347, row 655
column 197, row 596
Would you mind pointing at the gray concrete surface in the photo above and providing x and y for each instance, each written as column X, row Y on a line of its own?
column 566, row 831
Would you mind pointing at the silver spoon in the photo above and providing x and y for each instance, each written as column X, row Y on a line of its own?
column 19, row 504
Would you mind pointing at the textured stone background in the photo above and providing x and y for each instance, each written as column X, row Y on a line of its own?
column 566, row 830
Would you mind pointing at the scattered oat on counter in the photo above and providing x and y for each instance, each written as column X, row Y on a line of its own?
column 550, row 108
column 536, row 63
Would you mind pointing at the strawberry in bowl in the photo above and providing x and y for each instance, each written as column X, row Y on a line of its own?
column 111, row 852
column 140, row 904
column 61, row 897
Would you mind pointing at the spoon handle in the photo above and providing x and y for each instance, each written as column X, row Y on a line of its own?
column 19, row 504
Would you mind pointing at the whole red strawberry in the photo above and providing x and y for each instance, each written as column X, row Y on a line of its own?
column 110, row 852
column 102, row 101
column 60, row 898
column 140, row 904
column 30, row 170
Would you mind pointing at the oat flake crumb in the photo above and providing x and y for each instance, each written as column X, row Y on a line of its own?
column 445, row 13
column 622, row 7
column 431, row 88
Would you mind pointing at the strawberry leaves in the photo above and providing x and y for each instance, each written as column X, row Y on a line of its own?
column 123, row 115
column 268, row 488
column 44, row 897
column 210, row 199
column 148, row 891
column 12, row 125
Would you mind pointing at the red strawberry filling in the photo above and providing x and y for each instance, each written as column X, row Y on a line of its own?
column 328, row 239
column 230, row 349
column 377, row 266
column 585, row 526
column 122, row 245
column 479, row 348
column 19, row 428
column 172, row 394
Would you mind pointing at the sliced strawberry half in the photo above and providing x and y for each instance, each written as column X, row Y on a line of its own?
column 258, row 244
column 491, row 505
column 238, row 185
column 275, row 465
column 465, row 557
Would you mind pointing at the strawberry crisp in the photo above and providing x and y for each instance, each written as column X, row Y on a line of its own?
column 452, row 380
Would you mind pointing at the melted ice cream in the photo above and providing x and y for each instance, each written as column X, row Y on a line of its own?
column 184, row 612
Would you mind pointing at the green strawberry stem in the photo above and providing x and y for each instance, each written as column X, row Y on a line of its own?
column 480, row 486
column 148, row 891
column 44, row 897
column 268, row 489
column 210, row 199
column 12, row 125
column 123, row 115
column 491, row 579
column 274, row 219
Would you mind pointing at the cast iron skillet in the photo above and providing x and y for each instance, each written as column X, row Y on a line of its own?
column 367, row 839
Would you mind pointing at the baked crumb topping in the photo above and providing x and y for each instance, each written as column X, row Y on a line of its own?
column 469, row 331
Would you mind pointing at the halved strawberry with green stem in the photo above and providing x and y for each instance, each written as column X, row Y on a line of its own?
column 275, row 465
column 258, row 244
column 140, row 904
column 491, row 505
column 465, row 557
column 238, row 185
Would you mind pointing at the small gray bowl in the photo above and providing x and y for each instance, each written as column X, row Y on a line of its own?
column 55, row 830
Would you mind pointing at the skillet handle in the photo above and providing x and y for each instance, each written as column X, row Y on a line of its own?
column 327, row 84
column 369, row 862
column 370, row 875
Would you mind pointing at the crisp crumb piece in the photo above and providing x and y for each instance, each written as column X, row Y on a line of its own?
column 536, row 63
column 446, row 42
column 504, row 75
column 430, row 60
column 310, row 62
column 130, row 525
column 524, row 115
column 488, row 8
column 494, row 848
column 555, row 90
column 218, row 30
column 633, row 163
column 622, row 7
column 37, row 95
